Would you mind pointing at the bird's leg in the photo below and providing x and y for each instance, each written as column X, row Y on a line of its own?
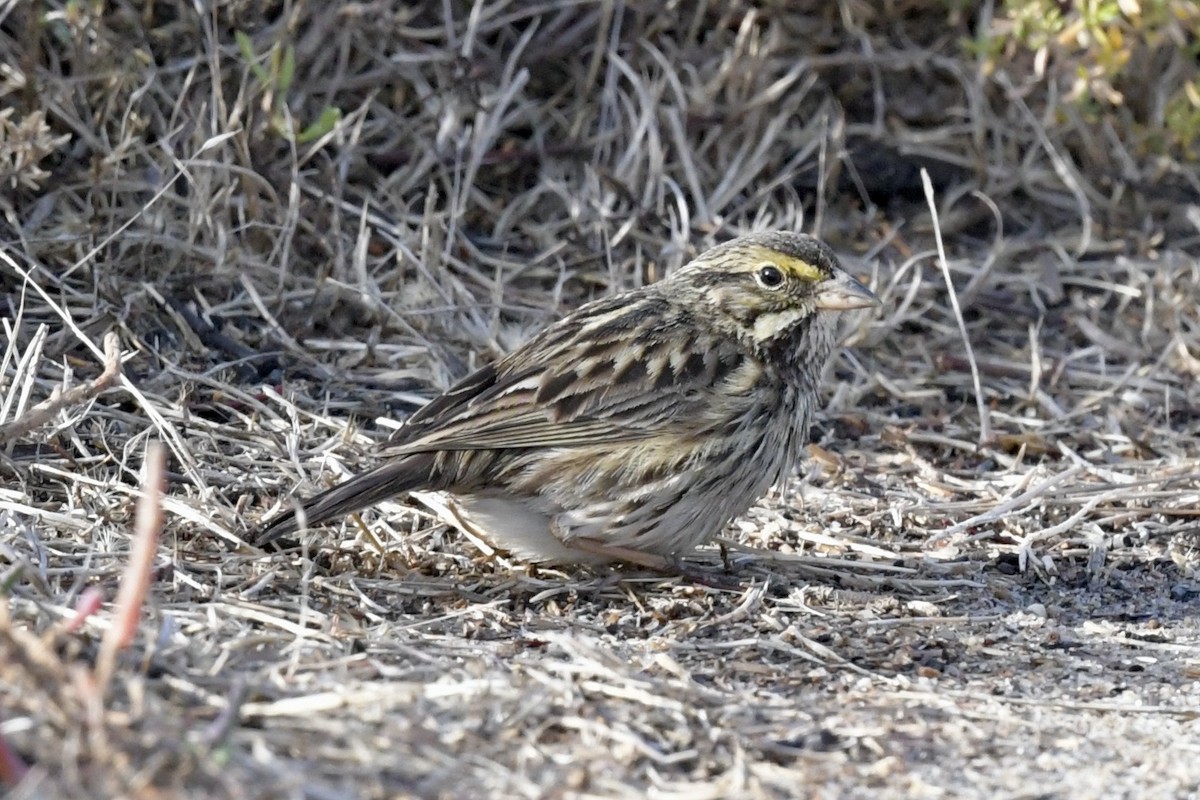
column 655, row 562
column 615, row 552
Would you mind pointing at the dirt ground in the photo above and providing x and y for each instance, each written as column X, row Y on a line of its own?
column 262, row 234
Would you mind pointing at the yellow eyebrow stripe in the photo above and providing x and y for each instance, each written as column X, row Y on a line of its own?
column 797, row 268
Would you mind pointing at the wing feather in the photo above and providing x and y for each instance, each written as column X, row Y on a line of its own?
column 608, row 374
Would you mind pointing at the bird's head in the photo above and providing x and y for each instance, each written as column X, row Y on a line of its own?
column 771, row 288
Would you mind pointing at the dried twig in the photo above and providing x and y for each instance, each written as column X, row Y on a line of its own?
column 135, row 580
column 59, row 399
column 985, row 426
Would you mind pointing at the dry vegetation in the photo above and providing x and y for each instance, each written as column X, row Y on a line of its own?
column 298, row 223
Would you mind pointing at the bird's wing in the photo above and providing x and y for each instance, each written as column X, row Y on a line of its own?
column 611, row 373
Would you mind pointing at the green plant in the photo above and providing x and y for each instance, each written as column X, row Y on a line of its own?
column 275, row 72
column 1094, row 44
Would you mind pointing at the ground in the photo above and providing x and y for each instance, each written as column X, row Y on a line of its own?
column 262, row 234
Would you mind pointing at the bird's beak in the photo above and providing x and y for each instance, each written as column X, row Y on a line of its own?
column 843, row 292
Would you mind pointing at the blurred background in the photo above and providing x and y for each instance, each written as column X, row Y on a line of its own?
column 396, row 188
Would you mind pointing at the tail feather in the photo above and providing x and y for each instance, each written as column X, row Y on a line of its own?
column 405, row 474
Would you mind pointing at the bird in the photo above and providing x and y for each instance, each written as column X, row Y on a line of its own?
column 635, row 428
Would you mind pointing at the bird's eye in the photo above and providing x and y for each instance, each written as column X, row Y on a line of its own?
column 770, row 276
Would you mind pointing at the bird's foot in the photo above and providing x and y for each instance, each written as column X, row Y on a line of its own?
column 666, row 565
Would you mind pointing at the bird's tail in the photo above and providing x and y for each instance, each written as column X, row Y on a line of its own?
column 404, row 474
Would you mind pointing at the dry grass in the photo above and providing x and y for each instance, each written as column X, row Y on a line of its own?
column 969, row 594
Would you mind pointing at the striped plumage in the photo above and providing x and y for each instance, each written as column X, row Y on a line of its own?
column 636, row 427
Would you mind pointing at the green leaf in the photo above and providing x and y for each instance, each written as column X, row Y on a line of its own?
column 247, row 49
column 287, row 70
column 329, row 118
